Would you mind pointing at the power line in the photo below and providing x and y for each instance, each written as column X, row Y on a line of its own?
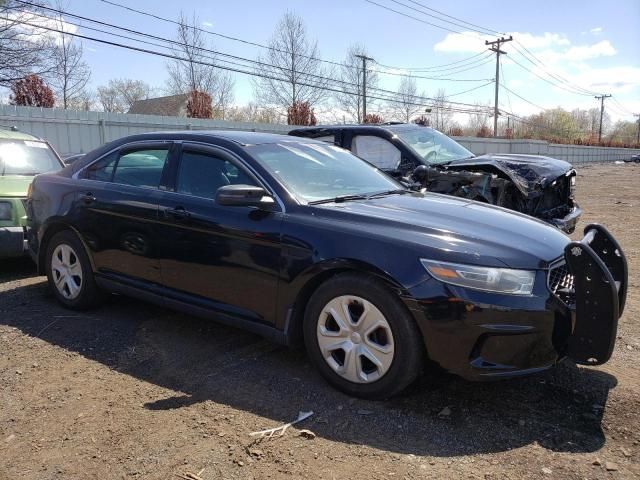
column 530, row 57
column 444, row 77
column 136, row 32
column 229, row 37
column 433, row 67
column 174, row 42
column 251, row 73
column 546, row 80
column 483, row 31
column 467, row 63
column 493, row 32
column 411, row 16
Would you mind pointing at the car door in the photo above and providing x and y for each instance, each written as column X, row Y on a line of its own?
column 116, row 210
column 226, row 257
column 381, row 153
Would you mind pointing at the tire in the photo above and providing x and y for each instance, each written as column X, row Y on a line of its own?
column 69, row 272
column 387, row 332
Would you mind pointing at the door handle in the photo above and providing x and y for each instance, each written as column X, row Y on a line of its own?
column 179, row 213
column 88, row 198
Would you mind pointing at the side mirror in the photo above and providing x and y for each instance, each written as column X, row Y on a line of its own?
column 244, row 196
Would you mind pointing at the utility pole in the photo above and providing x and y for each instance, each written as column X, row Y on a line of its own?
column 601, row 98
column 638, row 115
column 495, row 47
column 364, row 84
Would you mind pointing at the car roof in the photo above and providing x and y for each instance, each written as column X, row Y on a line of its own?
column 12, row 134
column 391, row 126
column 239, row 137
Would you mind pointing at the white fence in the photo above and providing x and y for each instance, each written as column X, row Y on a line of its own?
column 72, row 131
column 576, row 154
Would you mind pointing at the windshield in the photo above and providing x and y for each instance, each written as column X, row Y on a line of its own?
column 314, row 171
column 24, row 157
column 432, row 145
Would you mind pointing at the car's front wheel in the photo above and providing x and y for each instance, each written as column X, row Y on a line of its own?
column 69, row 272
column 361, row 337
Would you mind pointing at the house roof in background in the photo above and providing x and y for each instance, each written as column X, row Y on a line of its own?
column 171, row 106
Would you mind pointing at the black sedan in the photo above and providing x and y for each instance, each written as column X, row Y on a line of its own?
column 297, row 239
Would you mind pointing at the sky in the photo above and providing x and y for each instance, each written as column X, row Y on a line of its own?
column 595, row 45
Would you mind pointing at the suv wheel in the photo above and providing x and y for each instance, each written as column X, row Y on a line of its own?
column 69, row 272
column 361, row 337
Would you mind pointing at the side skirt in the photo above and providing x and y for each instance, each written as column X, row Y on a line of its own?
column 161, row 296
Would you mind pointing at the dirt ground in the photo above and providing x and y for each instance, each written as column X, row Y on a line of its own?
column 133, row 391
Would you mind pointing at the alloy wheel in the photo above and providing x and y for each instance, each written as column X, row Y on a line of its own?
column 355, row 339
column 66, row 271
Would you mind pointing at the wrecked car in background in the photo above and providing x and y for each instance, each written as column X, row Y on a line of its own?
column 539, row 186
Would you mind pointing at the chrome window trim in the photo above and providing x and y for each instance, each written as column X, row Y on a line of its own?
column 182, row 142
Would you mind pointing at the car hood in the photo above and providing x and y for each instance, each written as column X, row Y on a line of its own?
column 14, row 185
column 530, row 173
column 452, row 229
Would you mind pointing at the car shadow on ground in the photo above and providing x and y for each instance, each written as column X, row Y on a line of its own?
column 202, row 361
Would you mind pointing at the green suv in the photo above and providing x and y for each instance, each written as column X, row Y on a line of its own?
column 22, row 156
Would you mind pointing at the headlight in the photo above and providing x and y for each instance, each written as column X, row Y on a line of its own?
column 572, row 186
column 501, row 280
column 5, row 211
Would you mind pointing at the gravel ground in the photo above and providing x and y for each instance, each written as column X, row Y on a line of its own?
column 133, row 391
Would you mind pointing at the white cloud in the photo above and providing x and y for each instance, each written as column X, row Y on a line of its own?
column 586, row 52
column 619, row 79
column 31, row 24
column 470, row 42
column 596, row 31
column 207, row 24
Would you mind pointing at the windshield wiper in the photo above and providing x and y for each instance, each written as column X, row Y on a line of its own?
column 345, row 198
column 339, row 199
column 397, row 191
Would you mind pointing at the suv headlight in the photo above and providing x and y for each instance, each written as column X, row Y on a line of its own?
column 572, row 186
column 500, row 280
column 5, row 211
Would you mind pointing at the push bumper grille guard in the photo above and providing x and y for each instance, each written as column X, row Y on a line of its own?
column 599, row 268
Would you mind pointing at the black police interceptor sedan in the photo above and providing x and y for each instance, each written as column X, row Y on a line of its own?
column 294, row 238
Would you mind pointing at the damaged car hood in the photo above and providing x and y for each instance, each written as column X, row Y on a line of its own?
column 530, row 173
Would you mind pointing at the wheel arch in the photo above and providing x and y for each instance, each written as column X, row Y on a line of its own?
column 49, row 231
column 310, row 280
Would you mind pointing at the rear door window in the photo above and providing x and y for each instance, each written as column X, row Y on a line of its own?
column 139, row 168
column 378, row 151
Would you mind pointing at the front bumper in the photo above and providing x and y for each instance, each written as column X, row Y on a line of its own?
column 13, row 242
column 482, row 335
column 568, row 223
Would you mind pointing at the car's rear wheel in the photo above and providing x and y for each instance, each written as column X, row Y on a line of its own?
column 361, row 337
column 69, row 272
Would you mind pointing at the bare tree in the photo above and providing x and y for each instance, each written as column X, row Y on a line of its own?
column 24, row 50
column 196, row 68
column 291, row 71
column 350, row 98
column 405, row 104
column 120, row 94
column 70, row 74
column 253, row 113
column 478, row 120
column 441, row 113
